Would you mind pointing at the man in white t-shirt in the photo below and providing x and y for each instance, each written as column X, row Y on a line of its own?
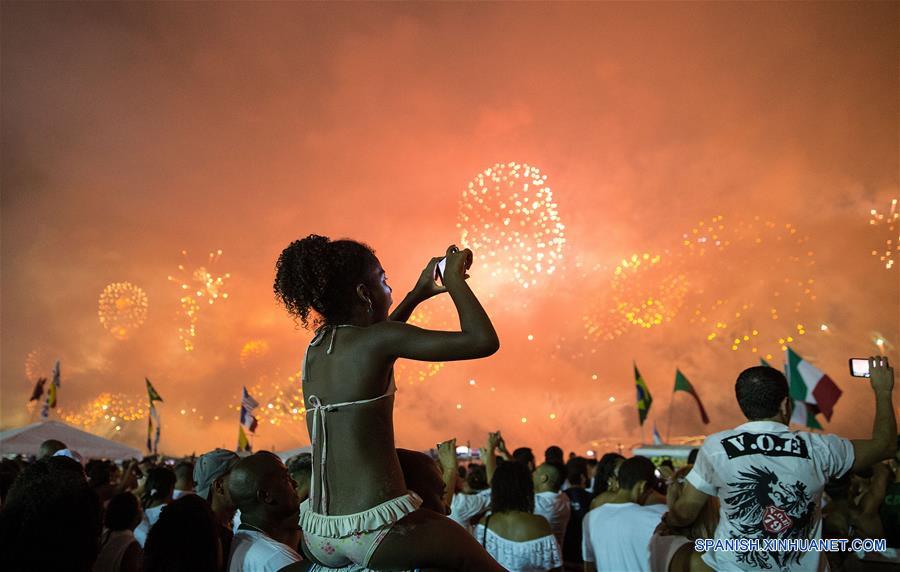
column 616, row 535
column 266, row 541
column 465, row 507
column 769, row 479
column 549, row 502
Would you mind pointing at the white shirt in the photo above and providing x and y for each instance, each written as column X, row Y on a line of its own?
column 253, row 551
column 769, row 480
column 616, row 536
column 529, row 556
column 151, row 515
column 556, row 509
column 463, row 508
column 178, row 493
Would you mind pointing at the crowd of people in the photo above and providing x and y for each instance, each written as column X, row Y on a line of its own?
column 359, row 503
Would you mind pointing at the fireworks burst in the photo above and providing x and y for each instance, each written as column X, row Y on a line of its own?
column 37, row 365
column 751, row 284
column 253, row 351
column 122, row 309
column 107, row 409
column 889, row 221
column 281, row 401
column 645, row 291
column 197, row 285
column 507, row 215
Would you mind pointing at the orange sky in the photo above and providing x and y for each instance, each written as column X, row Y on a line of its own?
column 133, row 131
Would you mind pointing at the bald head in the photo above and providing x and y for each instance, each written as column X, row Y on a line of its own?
column 260, row 485
column 547, row 478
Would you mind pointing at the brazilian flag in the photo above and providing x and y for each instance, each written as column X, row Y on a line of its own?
column 644, row 400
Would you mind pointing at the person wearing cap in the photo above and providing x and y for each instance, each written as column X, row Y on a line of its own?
column 211, row 474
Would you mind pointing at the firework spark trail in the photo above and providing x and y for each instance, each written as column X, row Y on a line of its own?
column 197, row 285
column 887, row 223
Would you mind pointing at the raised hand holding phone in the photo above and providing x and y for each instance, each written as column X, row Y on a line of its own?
column 456, row 263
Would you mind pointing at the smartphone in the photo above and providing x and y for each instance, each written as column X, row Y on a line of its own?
column 441, row 266
column 439, row 270
column 859, row 367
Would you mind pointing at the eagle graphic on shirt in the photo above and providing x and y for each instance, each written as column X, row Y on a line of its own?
column 761, row 506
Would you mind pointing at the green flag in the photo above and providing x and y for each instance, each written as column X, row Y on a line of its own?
column 644, row 400
column 682, row 384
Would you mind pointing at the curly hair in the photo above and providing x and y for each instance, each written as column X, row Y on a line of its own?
column 512, row 488
column 319, row 276
column 50, row 501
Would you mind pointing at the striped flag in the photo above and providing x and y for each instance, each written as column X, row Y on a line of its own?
column 52, row 393
column 153, row 419
column 248, row 421
column 682, row 384
column 804, row 413
column 810, row 385
column 644, row 399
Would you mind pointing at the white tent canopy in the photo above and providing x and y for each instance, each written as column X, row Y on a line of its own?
column 26, row 441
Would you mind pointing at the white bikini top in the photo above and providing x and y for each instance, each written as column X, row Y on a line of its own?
column 320, row 410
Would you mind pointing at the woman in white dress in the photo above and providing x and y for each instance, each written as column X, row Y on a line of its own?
column 519, row 540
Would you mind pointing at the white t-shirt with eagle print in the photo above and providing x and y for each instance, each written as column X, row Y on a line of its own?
column 769, row 481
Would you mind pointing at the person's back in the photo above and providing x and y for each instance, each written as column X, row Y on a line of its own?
column 119, row 550
column 360, row 510
column 580, row 504
column 158, row 490
column 616, row 535
column 511, row 533
column 770, row 479
column 184, row 539
column 549, row 502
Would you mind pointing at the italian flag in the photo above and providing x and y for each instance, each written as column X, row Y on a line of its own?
column 809, row 385
column 804, row 413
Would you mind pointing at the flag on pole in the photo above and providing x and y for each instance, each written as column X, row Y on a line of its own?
column 152, row 419
column 682, row 384
column 644, row 399
column 243, row 445
column 657, row 438
column 804, row 413
column 809, row 385
column 248, row 421
column 38, row 389
column 52, row 393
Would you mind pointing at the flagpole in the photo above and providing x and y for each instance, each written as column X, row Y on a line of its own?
column 671, row 406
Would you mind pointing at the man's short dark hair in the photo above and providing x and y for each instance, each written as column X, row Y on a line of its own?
column 760, row 391
column 635, row 470
column 554, row 454
column 523, row 455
